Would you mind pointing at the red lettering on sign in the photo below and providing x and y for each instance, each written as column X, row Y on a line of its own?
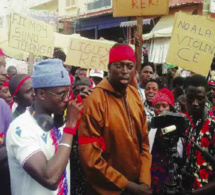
column 145, row 3
column 134, row 4
column 141, row 4
column 153, row 2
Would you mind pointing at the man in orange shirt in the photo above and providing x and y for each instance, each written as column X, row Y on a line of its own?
column 113, row 134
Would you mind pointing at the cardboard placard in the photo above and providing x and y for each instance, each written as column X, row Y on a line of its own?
column 31, row 35
column 90, row 54
column 192, row 45
column 140, row 7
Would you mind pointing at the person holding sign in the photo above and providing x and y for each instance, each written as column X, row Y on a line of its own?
column 113, row 135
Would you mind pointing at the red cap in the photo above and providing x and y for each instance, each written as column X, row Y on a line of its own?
column 122, row 52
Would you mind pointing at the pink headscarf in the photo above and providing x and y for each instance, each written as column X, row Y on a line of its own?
column 5, row 84
column 164, row 95
column 1, row 52
column 211, row 83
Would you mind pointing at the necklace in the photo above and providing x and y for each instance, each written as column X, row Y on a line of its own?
column 131, row 131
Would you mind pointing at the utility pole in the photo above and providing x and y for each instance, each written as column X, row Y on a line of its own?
column 138, row 49
column 30, row 63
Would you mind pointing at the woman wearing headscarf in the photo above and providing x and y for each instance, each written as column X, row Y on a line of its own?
column 163, row 101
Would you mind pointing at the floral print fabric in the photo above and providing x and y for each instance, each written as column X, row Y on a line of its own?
column 159, row 168
column 202, row 133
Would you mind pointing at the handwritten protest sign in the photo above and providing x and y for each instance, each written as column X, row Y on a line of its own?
column 62, row 40
column 140, row 7
column 90, row 54
column 31, row 35
column 192, row 44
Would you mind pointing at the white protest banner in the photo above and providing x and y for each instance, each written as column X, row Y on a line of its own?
column 62, row 40
column 31, row 35
column 192, row 44
column 140, row 7
column 90, row 54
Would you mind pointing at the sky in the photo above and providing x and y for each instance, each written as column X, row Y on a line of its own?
column 3, row 5
column 8, row 5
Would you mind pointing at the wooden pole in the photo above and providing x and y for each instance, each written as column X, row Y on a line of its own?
column 205, row 12
column 138, row 49
column 31, row 64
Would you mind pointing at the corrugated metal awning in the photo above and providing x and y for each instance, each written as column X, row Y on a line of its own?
column 174, row 3
column 163, row 28
column 103, row 22
column 134, row 23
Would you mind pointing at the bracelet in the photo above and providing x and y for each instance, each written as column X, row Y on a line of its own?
column 70, row 130
column 64, row 144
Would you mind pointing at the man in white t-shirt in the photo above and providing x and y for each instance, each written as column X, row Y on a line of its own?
column 38, row 152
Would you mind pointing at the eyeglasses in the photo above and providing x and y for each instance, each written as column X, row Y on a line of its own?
column 62, row 96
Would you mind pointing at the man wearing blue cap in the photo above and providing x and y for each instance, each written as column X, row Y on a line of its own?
column 38, row 151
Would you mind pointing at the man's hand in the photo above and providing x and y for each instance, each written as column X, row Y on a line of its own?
column 73, row 113
column 138, row 189
column 137, row 41
column 85, row 93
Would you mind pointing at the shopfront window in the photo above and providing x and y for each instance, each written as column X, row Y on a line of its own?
column 70, row 3
column 98, row 4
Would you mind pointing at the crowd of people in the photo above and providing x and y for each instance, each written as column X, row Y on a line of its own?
column 78, row 132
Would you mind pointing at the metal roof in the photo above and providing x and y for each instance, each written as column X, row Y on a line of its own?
column 175, row 3
column 134, row 23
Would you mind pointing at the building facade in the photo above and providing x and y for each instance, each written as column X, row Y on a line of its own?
column 94, row 19
column 23, row 6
